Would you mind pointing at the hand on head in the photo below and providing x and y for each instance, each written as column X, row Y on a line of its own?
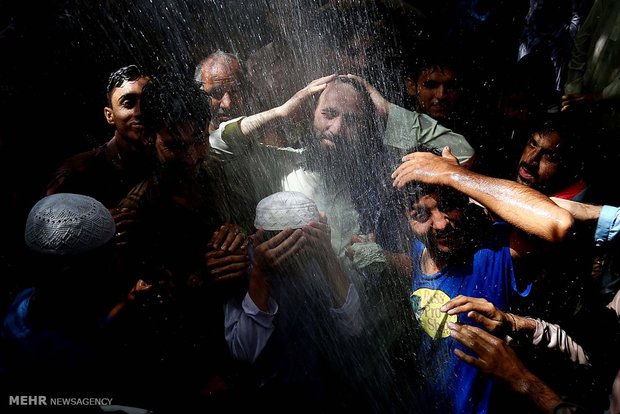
column 381, row 104
column 424, row 167
column 278, row 253
column 295, row 109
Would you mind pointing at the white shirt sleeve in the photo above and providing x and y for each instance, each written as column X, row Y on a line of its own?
column 349, row 317
column 246, row 328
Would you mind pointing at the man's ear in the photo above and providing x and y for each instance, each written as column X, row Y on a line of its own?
column 109, row 116
column 412, row 87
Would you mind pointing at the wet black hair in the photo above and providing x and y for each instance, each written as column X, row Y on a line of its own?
column 430, row 56
column 567, row 126
column 125, row 74
column 369, row 107
column 172, row 100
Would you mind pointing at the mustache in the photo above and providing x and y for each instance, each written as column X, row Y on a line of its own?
column 328, row 135
column 528, row 169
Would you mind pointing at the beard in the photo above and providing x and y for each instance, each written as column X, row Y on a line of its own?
column 327, row 153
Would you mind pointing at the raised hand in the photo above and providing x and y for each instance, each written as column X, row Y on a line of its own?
column 275, row 254
column 425, row 167
column 124, row 218
column 229, row 237
column 294, row 109
column 272, row 256
column 381, row 104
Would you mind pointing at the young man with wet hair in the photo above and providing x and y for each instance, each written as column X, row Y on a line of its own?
column 109, row 171
column 553, row 158
column 433, row 82
column 449, row 258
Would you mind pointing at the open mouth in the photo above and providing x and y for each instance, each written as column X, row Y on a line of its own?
column 328, row 143
column 526, row 174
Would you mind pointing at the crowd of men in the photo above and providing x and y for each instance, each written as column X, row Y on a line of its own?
column 334, row 251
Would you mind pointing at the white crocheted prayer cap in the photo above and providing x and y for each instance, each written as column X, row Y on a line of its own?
column 66, row 223
column 285, row 209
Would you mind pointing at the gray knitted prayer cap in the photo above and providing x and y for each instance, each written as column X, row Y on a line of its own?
column 65, row 223
column 285, row 209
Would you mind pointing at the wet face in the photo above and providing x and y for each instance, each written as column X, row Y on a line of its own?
column 221, row 80
column 436, row 92
column 182, row 149
column 338, row 117
column 540, row 166
column 435, row 221
column 124, row 111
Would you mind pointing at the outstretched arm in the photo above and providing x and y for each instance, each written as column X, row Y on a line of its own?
column 521, row 206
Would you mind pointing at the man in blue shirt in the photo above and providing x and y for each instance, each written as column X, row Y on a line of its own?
column 453, row 254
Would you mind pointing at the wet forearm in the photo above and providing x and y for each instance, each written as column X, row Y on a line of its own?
column 530, row 386
column 579, row 211
column 259, row 287
column 517, row 204
column 254, row 125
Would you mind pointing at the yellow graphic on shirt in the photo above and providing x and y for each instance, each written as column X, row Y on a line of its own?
column 431, row 317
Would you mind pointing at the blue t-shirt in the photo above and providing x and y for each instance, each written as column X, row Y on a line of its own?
column 452, row 385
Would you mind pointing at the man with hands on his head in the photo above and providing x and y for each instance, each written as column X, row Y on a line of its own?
column 298, row 304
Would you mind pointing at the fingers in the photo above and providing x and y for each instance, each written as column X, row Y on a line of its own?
column 122, row 212
column 230, row 237
column 234, row 275
column 138, row 289
column 322, row 217
column 324, row 79
column 462, row 334
column 406, row 174
column 219, row 236
column 279, row 238
column 287, row 251
column 318, row 85
column 372, row 238
column 357, row 78
column 369, row 88
column 475, row 362
column 357, row 239
column 257, row 238
column 458, row 301
column 476, row 339
column 316, row 228
column 486, row 322
column 234, row 239
column 288, row 242
column 219, row 258
column 447, row 154
column 479, row 310
column 230, row 268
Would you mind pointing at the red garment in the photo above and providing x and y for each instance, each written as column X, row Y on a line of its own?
column 571, row 191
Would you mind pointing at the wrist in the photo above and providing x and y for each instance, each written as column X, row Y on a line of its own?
column 258, row 289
